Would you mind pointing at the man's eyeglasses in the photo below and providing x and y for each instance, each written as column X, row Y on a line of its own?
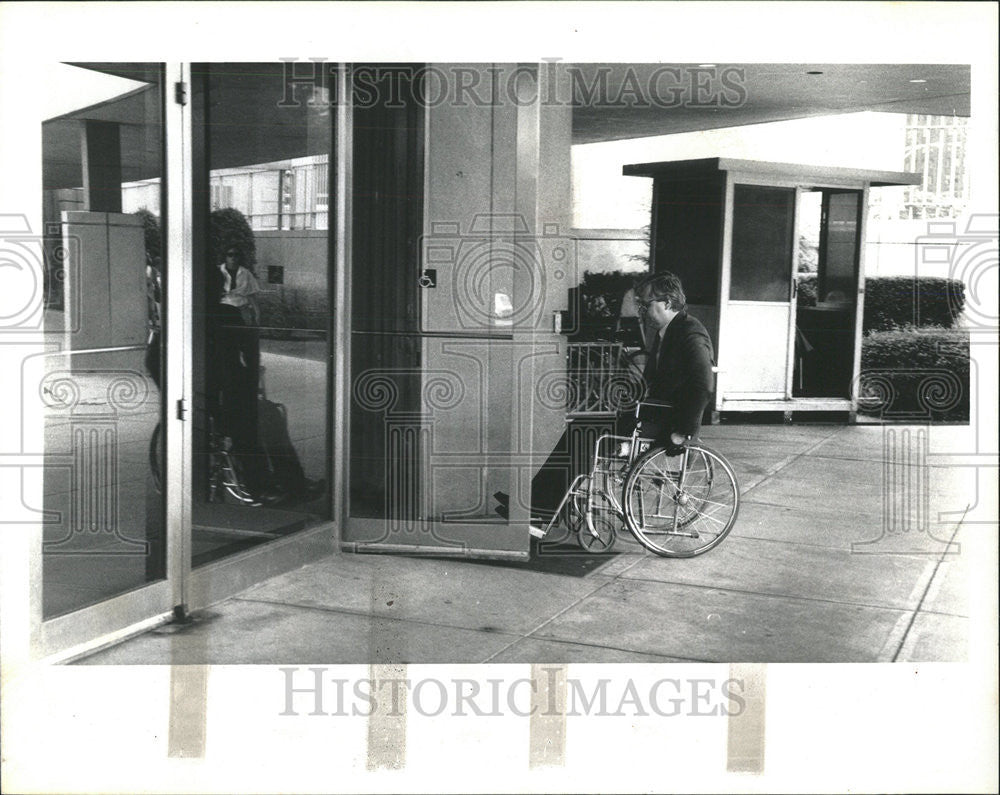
column 642, row 307
column 232, row 253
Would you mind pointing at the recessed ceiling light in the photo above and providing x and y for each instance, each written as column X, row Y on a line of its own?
column 814, row 72
column 918, row 81
column 706, row 66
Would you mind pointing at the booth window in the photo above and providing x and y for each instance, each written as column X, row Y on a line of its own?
column 763, row 221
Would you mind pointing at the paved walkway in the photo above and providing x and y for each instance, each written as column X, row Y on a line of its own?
column 850, row 546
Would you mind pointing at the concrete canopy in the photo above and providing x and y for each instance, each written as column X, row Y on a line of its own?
column 770, row 92
column 616, row 101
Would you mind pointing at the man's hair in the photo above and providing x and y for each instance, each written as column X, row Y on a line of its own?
column 663, row 286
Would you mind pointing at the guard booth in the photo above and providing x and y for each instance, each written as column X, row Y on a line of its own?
column 771, row 256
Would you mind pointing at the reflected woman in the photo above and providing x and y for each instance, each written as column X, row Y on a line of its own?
column 239, row 289
column 234, row 368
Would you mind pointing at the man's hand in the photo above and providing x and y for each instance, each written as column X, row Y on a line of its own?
column 676, row 444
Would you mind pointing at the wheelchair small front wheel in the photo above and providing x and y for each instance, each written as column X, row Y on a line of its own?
column 597, row 533
column 683, row 505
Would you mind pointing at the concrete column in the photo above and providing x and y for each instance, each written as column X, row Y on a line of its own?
column 497, row 234
column 105, row 286
column 543, row 198
column 101, row 157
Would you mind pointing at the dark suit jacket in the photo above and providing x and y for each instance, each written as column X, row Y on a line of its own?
column 682, row 372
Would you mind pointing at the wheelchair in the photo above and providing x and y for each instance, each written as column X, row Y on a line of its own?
column 675, row 505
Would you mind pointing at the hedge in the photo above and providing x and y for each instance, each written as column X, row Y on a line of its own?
column 894, row 302
column 917, row 373
column 229, row 227
column 901, row 301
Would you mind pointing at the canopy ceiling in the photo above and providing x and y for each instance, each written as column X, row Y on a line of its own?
column 773, row 92
column 768, row 92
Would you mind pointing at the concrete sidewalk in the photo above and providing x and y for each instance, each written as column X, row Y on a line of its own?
column 849, row 547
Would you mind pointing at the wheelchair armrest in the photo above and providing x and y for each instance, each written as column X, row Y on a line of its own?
column 654, row 405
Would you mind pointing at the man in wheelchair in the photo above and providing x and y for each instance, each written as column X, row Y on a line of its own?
column 678, row 371
column 678, row 377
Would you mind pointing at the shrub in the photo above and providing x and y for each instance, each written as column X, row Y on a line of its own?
column 602, row 294
column 893, row 302
column 151, row 234
column 288, row 313
column 806, row 295
column 896, row 302
column 916, row 373
column 596, row 304
column 229, row 227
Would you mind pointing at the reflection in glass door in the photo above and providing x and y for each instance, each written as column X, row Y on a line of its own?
column 103, row 184
column 261, row 307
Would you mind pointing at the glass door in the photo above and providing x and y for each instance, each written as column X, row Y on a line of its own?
column 176, row 474
column 389, row 430
column 102, row 382
column 261, row 456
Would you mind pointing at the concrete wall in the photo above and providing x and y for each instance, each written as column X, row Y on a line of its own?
column 303, row 255
column 470, row 151
column 607, row 250
column 497, row 232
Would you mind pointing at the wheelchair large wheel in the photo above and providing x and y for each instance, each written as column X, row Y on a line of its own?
column 680, row 506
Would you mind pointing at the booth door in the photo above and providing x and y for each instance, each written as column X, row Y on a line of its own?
column 759, row 312
column 826, row 315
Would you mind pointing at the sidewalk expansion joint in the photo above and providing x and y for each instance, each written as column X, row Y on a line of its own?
column 375, row 616
column 927, row 588
column 795, row 597
column 847, row 547
column 785, row 462
column 552, row 618
column 574, row 642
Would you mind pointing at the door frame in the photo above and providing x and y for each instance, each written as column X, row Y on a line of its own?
column 106, row 622
column 212, row 582
column 771, row 401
